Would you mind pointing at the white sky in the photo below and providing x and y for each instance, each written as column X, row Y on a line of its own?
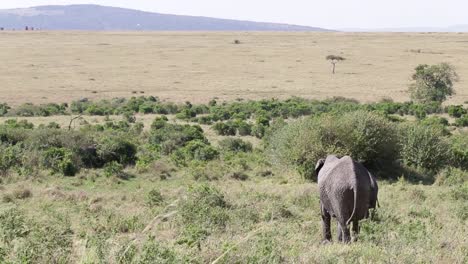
column 321, row 13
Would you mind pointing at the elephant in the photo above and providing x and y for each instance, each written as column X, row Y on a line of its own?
column 347, row 192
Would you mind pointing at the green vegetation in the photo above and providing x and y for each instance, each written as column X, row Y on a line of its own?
column 179, row 192
column 433, row 83
column 365, row 136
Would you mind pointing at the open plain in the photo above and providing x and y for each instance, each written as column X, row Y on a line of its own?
column 42, row 67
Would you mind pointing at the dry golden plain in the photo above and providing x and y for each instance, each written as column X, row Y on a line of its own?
column 41, row 67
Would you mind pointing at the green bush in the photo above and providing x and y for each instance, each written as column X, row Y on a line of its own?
column 235, row 144
column 462, row 121
column 146, row 155
column 205, row 206
column 115, row 169
column 116, row 147
column 244, row 128
column 436, row 121
column 154, row 198
column 186, row 114
column 365, row 136
column 423, row 146
column 10, row 157
column 195, row 150
column 159, row 122
column 452, row 177
column 13, row 123
column 456, row 110
column 259, row 130
column 59, row 160
column 173, row 136
column 458, row 144
column 4, row 108
column 203, row 211
column 225, row 129
column 154, row 252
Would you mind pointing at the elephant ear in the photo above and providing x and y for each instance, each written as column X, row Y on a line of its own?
column 319, row 166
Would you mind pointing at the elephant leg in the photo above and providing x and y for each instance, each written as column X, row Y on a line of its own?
column 346, row 234
column 339, row 232
column 326, row 218
column 355, row 230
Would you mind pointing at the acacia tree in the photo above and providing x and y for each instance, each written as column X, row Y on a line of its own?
column 334, row 59
column 433, row 83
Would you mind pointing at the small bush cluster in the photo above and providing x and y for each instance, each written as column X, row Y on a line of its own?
column 205, row 210
column 365, row 136
column 235, row 145
column 424, row 147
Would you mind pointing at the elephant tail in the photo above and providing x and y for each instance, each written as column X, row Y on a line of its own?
column 354, row 206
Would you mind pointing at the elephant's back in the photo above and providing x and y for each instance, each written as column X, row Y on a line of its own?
column 337, row 185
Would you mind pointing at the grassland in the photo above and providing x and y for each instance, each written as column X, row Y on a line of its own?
column 155, row 191
column 42, row 67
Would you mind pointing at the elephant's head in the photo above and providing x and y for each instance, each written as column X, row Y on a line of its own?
column 319, row 166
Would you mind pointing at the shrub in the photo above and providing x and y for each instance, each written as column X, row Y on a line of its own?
column 238, row 175
column 452, row 177
column 53, row 125
column 115, row 169
column 116, row 147
column 195, row 150
column 262, row 120
column 159, row 122
column 10, row 157
column 154, row 252
column 236, row 145
column 225, row 129
column 173, row 136
column 365, row 136
column 146, row 155
column 456, row 110
column 186, row 114
column 59, row 160
column 4, row 108
column 259, row 131
column 244, row 128
column 459, row 150
column 206, row 206
column 436, row 121
column 154, row 198
column 423, row 146
column 129, row 117
column 13, row 123
column 203, row 211
column 462, row 121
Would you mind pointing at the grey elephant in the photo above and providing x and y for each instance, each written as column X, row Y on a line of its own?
column 347, row 192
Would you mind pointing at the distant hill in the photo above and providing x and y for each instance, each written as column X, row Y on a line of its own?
column 454, row 28
column 94, row 17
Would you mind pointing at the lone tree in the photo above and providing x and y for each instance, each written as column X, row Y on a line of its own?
column 433, row 83
column 334, row 59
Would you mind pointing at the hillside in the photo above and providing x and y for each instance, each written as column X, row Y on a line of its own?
column 94, row 17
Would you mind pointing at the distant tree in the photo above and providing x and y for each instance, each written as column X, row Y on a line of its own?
column 1, row 29
column 433, row 83
column 334, row 59
column 26, row 28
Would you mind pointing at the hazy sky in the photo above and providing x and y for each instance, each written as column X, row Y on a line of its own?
column 322, row 13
